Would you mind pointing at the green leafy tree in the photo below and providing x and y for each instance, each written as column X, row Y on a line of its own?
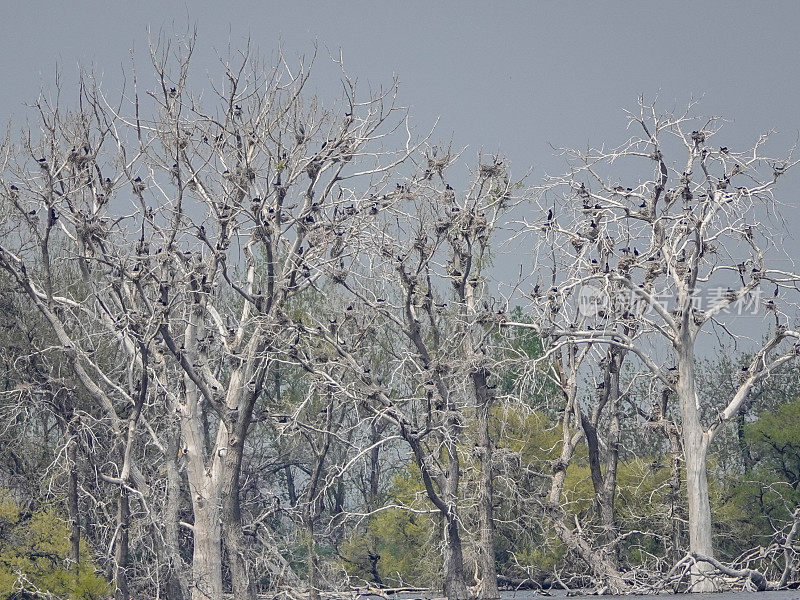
column 34, row 550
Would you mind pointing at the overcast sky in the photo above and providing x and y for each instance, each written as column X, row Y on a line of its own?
column 515, row 77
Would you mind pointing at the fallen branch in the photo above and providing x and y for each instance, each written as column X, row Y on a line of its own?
column 758, row 580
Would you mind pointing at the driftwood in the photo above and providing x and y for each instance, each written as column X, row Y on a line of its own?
column 755, row 577
column 787, row 550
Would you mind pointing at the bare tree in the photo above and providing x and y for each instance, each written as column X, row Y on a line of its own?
column 675, row 238
column 193, row 226
column 249, row 310
column 420, row 278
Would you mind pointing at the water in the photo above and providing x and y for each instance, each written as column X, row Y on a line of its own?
column 562, row 595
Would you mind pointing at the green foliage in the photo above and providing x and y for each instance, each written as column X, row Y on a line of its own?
column 400, row 546
column 749, row 508
column 774, row 440
column 545, row 558
column 34, row 550
column 525, row 344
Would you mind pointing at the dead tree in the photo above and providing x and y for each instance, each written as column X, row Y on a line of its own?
column 193, row 226
column 678, row 237
column 420, row 280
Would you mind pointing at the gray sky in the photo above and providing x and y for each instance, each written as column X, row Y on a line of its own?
column 514, row 76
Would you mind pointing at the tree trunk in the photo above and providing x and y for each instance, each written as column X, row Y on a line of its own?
column 121, row 549
column 744, row 451
column 313, row 574
column 454, row 582
column 602, row 568
column 371, row 496
column 72, row 505
column 207, row 551
column 290, row 487
column 203, row 476
column 487, row 569
column 454, row 585
column 695, row 447
column 788, row 567
column 604, row 484
column 177, row 583
column 487, row 586
column 204, row 491
column 676, row 518
column 608, row 491
column 243, row 584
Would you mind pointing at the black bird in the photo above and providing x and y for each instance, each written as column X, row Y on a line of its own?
column 775, row 293
column 550, row 214
column 698, row 137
